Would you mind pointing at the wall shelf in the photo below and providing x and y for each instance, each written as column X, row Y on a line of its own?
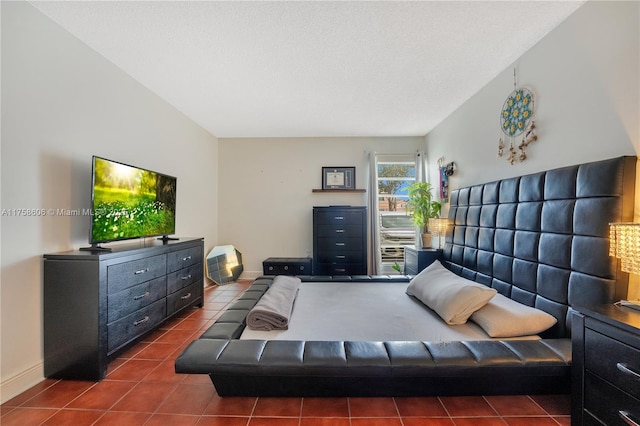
column 338, row 190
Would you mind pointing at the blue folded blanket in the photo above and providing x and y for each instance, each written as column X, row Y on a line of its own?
column 273, row 310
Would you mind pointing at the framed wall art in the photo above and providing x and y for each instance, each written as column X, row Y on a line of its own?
column 339, row 178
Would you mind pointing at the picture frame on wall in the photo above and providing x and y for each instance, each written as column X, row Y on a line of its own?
column 339, row 178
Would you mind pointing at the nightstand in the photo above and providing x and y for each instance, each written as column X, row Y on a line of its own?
column 286, row 266
column 606, row 366
column 415, row 260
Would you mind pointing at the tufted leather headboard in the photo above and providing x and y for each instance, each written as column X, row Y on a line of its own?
column 543, row 239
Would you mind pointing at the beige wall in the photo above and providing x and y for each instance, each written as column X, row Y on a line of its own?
column 265, row 200
column 62, row 103
column 585, row 77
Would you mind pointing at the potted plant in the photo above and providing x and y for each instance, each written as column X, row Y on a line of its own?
column 424, row 208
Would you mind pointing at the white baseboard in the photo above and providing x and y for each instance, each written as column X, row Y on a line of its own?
column 21, row 382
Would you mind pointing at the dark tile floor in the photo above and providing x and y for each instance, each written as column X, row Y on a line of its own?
column 141, row 388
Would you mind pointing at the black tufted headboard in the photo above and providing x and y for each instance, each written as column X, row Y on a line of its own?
column 543, row 239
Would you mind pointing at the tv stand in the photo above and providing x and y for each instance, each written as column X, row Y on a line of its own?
column 166, row 238
column 96, row 248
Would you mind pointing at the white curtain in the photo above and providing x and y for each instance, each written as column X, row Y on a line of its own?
column 422, row 170
column 422, row 175
column 374, row 258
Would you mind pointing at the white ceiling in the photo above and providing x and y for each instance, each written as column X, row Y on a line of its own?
column 312, row 68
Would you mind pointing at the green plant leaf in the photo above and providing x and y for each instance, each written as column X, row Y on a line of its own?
column 423, row 205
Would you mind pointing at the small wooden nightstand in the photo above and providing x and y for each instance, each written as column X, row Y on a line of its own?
column 415, row 260
column 606, row 366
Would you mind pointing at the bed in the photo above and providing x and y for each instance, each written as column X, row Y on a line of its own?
column 366, row 311
column 539, row 239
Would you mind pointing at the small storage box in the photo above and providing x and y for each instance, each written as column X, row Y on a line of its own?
column 287, row 266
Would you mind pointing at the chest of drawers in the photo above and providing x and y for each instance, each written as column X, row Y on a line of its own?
column 606, row 366
column 339, row 240
column 95, row 304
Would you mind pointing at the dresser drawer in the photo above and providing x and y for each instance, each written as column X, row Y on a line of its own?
column 184, row 297
column 339, row 244
column 184, row 277
column 127, row 301
column 613, row 360
column 335, row 217
column 124, row 275
column 609, row 404
column 340, row 231
column 183, row 258
column 340, row 269
column 135, row 324
column 341, row 257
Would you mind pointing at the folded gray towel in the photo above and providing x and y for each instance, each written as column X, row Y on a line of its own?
column 273, row 310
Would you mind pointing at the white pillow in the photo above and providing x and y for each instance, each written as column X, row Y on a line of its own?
column 452, row 297
column 503, row 317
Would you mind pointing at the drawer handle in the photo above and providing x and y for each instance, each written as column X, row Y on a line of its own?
column 339, row 218
column 184, row 259
column 186, row 296
column 340, row 244
column 340, row 270
column 340, row 231
column 142, row 321
column 626, row 370
column 141, row 271
column 188, row 277
column 141, row 296
column 341, row 256
column 624, row 415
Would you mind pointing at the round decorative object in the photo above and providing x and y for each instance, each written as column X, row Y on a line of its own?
column 517, row 112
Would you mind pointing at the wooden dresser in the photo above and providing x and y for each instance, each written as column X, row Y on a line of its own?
column 96, row 303
column 606, row 366
column 339, row 240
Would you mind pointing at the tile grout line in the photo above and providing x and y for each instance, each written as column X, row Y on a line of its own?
column 445, row 409
column 395, row 404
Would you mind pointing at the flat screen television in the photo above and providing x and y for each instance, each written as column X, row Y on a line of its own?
column 130, row 202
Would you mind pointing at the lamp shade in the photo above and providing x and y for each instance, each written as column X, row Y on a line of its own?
column 439, row 225
column 625, row 245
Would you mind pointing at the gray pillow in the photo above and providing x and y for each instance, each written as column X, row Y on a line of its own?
column 452, row 297
column 504, row 317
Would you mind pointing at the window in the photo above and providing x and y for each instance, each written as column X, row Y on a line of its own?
column 395, row 225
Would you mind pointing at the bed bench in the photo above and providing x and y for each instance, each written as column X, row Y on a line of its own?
column 336, row 368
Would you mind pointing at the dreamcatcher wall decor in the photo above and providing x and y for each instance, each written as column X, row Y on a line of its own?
column 517, row 122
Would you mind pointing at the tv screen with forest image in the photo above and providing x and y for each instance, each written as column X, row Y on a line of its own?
column 130, row 202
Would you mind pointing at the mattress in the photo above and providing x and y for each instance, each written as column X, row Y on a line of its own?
column 365, row 312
